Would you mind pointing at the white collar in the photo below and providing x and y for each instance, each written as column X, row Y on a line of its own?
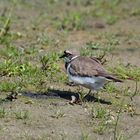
column 68, row 61
column 74, row 57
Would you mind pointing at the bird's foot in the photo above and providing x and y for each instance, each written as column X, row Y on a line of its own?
column 74, row 100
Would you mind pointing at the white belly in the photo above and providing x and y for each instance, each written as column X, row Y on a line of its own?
column 93, row 83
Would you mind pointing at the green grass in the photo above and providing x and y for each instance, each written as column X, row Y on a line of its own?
column 12, row 68
column 2, row 113
column 103, row 119
column 99, row 113
column 10, row 51
column 8, row 86
column 101, row 129
column 50, row 67
column 58, row 114
column 111, row 88
column 43, row 39
column 126, row 72
column 22, row 115
column 71, row 21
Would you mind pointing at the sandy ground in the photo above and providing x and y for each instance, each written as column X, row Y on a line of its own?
column 49, row 115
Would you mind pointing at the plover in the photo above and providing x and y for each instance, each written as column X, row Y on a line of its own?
column 86, row 71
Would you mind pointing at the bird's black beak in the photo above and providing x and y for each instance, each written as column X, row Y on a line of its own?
column 62, row 56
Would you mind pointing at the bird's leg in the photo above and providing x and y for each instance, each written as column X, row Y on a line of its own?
column 95, row 94
column 87, row 96
column 91, row 97
column 89, row 92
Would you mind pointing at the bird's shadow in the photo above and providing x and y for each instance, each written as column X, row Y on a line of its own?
column 52, row 93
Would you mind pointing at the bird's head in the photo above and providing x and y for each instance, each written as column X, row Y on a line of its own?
column 67, row 55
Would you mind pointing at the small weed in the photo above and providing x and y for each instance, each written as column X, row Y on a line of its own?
column 22, row 115
column 103, row 118
column 6, row 40
column 110, row 11
column 110, row 19
column 51, row 68
column 6, row 25
column 135, row 12
column 39, row 20
column 81, row 94
column 84, row 137
column 6, row 36
column 110, row 88
column 72, row 21
column 120, row 136
column 10, row 86
column 2, row 112
column 43, row 39
column 126, row 72
column 100, row 129
column 31, row 49
column 48, row 60
column 113, row 41
column 89, row 49
column 131, row 109
column 127, row 91
column 58, row 114
column 10, row 51
column 98, row 113
column 13, row 68
column 135, row 92
column 115, row 132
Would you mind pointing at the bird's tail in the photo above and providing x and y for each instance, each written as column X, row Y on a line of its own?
column 112, row 78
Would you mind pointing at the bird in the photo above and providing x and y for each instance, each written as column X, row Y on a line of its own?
column 86, row 71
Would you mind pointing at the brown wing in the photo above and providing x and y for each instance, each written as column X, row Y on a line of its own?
column 96, row 59
column 85, row 66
